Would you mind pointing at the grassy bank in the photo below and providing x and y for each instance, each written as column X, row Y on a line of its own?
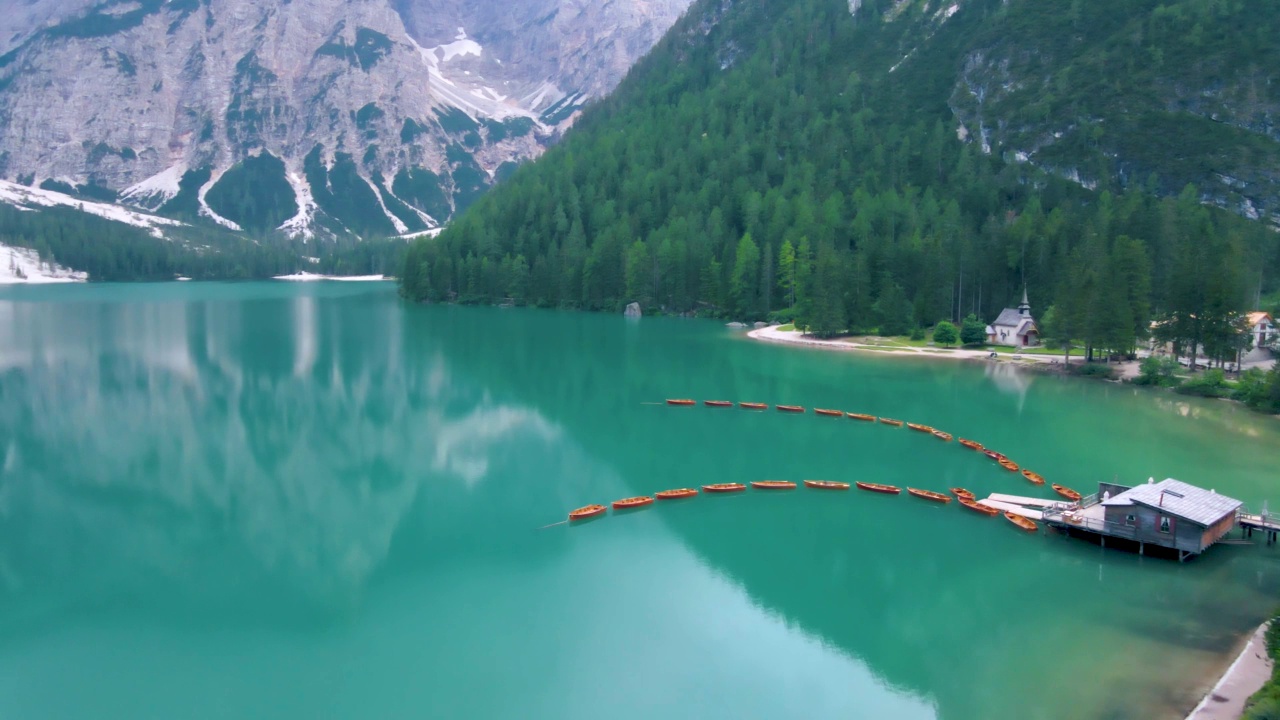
column 1265, row 704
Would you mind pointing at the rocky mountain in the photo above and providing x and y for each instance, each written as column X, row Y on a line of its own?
column 329, row 117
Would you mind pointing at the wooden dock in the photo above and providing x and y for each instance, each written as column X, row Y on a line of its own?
column 1266, row 523
column 1014, row 508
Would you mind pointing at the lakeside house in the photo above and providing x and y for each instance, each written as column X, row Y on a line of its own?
column 1015, row 327
column 1169, row 514
column 1262, row 327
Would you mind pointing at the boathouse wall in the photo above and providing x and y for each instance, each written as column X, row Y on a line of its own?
column 1146, row 525
column 1217, row 531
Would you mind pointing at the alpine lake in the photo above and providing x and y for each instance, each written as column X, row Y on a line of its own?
column 274, row 500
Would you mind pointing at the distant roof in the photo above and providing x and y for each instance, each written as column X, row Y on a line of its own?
column 1174, row 497
column 1257, row 317
column 1009, row 317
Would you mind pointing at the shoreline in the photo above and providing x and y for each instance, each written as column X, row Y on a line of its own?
column 1127, row 370
column 1242, row 678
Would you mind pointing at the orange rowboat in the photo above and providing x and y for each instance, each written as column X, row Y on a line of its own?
column 753, row 406
column 891, row 421
column 1009, row 465
column 791, row 408
column 826, row 485
column 974, row 506
column 829, row 413
column 944, row 437
column 961, row 493
column 632, row 502
column 861, row 416
column 587, row 511
column 877, row 487
column 717, row 403
column 724, row 488
column 773, row 485
column 920, row 428
column 1025, row 523
column 675, row 494
column 680, row 401
column 971, row 444
column 930, row 495
column 1066, row 492
column 1034, row 477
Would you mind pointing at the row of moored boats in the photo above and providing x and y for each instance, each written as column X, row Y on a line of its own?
column 964, row 497
column 1003, row 460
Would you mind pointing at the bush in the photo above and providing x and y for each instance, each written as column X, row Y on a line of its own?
column 1158, row 371
column 917, row 333
column 1093, row 370
column 973, row 331
column 782, row 317
column 1212, row 383
column 945, row 334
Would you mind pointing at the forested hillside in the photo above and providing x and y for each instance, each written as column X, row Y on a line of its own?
column 113, row 251
column 794, row 158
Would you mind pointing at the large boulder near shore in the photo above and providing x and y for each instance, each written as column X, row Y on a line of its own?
column 633, row 310
column 736, row 325
column 761, row 324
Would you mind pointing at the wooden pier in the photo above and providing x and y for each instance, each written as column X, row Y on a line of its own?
column 1265, row 522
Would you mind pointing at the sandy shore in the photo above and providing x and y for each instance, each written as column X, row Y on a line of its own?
column 1249, row 672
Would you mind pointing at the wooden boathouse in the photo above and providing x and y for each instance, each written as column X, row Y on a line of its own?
column 1167, row 514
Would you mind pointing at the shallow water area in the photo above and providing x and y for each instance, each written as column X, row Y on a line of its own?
column 276, row 500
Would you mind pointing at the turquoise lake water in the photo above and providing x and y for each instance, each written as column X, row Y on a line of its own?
column 315, row 501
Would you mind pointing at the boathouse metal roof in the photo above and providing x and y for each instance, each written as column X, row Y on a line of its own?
column 1200, row 506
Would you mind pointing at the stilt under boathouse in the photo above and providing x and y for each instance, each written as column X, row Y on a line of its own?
column 1169, row 514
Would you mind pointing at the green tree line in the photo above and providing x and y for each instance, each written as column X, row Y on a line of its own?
column 763, row 170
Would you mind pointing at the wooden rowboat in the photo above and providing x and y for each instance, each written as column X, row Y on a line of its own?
column 891, row 421
column 977, row 507
column 791, row 408
column 753, row 406
column 971, row 444
column 773, row 484
column 861, row 416
column 680, row 401
column 961, row 493
column 1009, row 465
column 877, row 487
column 920, row 428
column 930, row 495
column 1034, row 477
column 717, row 403
column 1066, row 492
column 675, row 494
column 724, row 487
column 826, row 484
column 943, row 436
column 829, row 413
column 632, row 502
column 1025, row 523
column 587, row 511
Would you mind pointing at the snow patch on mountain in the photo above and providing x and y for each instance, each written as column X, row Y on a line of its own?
column 460, row 47
column 396, row 222
column 155, row 190
column 29, row 198
column 205, row 210
column 23, row 265
column 300, row 223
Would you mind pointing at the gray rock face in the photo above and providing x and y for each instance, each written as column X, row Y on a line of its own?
column 633, row 310
column 135, row 96
column 736, row 325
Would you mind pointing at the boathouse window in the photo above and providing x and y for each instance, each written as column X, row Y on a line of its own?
column 1130, row 519
column 1164, row 524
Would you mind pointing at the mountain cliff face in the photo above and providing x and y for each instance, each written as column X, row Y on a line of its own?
column 337, row 117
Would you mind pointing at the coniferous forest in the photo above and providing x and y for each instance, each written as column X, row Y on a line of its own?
column 764, row 161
